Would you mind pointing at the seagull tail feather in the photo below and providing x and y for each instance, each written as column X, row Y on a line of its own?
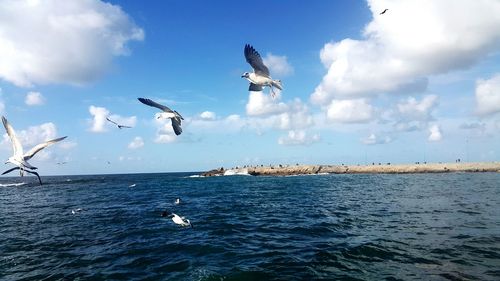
column 277, row 84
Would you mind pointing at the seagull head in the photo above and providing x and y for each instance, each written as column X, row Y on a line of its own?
column 11, row 160
column 245, row 75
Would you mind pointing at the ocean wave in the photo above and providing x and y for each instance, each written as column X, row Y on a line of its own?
column 238, row 172
column 12, row 184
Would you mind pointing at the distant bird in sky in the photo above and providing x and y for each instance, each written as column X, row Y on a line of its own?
column 61, row 163
column 19, row 158
column 166, row 113
column 383, row 12
column 260, row 76
column 181, row 221
column 119, row 126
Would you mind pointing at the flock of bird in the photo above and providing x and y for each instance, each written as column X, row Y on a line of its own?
column 259, row 78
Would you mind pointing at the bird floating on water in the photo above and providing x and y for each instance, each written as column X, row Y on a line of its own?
column 177, row 201
column 260, row 76
column 119, row 126
column 19, row 158
column 181, row 221
column 166, row 113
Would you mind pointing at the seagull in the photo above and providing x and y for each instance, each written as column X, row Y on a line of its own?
column 260, row 76
column 177, row 201
column 166, row 113
column 181, row 221
column 19, row 158
column 119, row 126
column 76, row 211
column 383, row 12
column 132, row 185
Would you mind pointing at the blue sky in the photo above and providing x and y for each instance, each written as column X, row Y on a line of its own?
column 419, row 83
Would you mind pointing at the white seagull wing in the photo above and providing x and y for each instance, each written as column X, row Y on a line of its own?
column 16, row 144
column 254, row 59
column 28, row 155
column 155, row 104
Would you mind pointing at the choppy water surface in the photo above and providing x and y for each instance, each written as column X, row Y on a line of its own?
column 366, row 227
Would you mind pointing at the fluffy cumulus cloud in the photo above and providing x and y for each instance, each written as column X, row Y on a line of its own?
column 99, row 114
column 278, row 65
column 35, row 135
column 208, row 115
column 488, row 95
column 435, row 133
column 34, row 98
column 136, row 143
column 2, row 104
column 413, row 110
column 350, row 111
column 99, row 124
column 412, row 40
column 260, row 104
column 164, row 131
column 374, row 139
column 71, row 42
column 298, row 137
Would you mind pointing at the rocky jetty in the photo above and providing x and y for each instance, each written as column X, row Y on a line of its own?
column 284, row 170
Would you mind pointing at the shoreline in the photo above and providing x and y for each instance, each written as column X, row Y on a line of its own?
column 288, row 170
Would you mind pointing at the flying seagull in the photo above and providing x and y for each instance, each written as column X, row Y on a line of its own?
column 119, row 126
column 166, row 113
column 260, row 76
column 383, row 12
column 19, row 158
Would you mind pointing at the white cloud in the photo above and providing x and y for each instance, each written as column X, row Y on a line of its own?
column 34, row 98
column 70, row 42
column 349, row 111
column 137, row 142
column 414, row 39
column 298, row 137
column 260, row 104
column 208, row 115
column 278, row 65
column 413, row 110
column 164, row 138
column 435, row 133
column 99, row 115
column 33, row 136
column 164, row 131
column 488, row 95
column 126, row 121
column 99, row 124
column 374, row 139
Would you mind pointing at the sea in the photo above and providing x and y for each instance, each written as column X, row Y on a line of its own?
column 315, row 227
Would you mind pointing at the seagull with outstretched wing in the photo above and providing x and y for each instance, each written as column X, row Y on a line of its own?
column 119, row 126
column 260, row 76
column 383, row 12
column 166, row 113
column 19, row 158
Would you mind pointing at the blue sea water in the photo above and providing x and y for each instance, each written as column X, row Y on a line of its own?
column 324, row 227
